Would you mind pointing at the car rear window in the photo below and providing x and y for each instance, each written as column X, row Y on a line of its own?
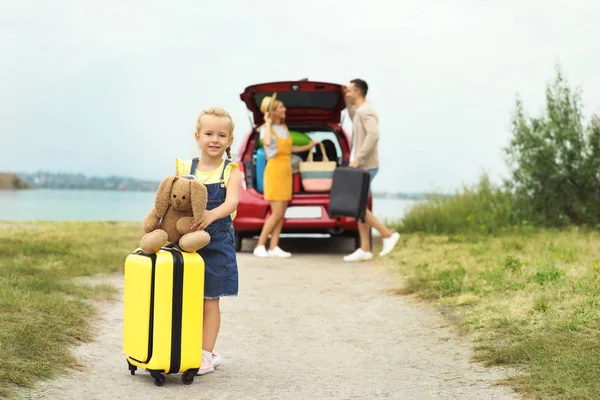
column 327, row 100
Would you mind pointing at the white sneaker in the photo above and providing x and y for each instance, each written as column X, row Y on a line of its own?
column 277, row 252
column 359, row 255
column 260, row 251
column 389, row 244
column 216, row 360
column 207, row 365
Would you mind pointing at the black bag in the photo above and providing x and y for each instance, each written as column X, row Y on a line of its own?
column 349, row 193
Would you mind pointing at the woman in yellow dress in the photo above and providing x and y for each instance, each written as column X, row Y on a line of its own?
column 278, row 147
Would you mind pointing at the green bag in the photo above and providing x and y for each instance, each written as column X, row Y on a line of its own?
column 298, row 139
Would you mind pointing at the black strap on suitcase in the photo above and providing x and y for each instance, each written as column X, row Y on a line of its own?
column 349, row 193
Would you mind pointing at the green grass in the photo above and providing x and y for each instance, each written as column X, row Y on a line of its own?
column 532, row 302
column 43, row 311
column 481, row 209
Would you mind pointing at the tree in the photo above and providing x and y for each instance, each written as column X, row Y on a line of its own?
column 555, row 159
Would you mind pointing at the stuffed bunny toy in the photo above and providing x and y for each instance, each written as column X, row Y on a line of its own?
column 178, row 202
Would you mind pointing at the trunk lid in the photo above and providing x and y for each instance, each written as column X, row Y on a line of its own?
column 307, row 102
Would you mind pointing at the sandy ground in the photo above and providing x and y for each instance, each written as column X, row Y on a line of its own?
column 310, row 327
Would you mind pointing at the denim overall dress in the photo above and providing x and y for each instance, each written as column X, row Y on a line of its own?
column 220, row 265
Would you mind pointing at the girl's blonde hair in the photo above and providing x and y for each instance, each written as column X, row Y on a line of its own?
column 216, row 112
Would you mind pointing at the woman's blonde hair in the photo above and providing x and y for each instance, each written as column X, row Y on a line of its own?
column 216, row 112
column 266, row 102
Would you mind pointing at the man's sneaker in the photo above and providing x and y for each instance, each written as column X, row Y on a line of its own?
column 359, row 255
column 216, row 360
column 389, row 244
column 207, row 365
column 278, row 253
column 260, row 251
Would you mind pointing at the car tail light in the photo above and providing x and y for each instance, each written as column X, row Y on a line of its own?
column 242, row 170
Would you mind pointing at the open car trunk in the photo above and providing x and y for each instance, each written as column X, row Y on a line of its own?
column 314, row 103
column 330, row 137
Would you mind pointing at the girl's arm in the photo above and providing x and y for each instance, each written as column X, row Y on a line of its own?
column 225, row 209
column 300, row 149
column 267, row 127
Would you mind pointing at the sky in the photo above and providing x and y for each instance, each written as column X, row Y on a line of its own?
column 114, row 88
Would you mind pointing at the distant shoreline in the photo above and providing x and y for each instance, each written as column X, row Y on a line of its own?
column 49, row 180
column 68, row 181
column 10, row 181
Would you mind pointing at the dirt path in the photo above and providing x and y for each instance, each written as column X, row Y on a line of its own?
column 311, row 327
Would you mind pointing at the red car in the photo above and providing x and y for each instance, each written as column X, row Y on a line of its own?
column 313, row 108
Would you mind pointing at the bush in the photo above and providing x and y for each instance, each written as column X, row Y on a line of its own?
column 555, row 163
column 480, row 209
column 555, row 159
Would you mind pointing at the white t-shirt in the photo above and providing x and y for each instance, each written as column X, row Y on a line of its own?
column 353, row 152
column 281, row 131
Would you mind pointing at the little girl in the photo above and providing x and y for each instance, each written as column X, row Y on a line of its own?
column 222, row 178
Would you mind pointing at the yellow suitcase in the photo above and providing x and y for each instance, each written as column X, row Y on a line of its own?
column 163, row 306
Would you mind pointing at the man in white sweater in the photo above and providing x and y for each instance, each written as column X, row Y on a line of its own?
column 364, row 154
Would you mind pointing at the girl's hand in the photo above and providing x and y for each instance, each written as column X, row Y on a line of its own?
column 313, row 143
column 205, row 220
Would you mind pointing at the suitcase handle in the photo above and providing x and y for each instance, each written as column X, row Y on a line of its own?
column 171, row 246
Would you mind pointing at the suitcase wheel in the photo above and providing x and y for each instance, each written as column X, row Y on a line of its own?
column 132, row 368
column 159, row 379
column 188, row 376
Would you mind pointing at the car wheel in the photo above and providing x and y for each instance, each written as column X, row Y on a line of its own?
column 238, row 241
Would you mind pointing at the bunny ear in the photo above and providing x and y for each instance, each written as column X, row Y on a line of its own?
column 199, row 196
column 161, row 204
